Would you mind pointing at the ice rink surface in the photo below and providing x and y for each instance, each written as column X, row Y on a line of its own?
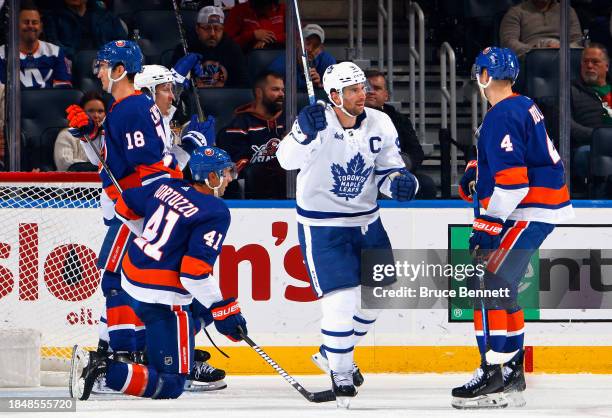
column 407, row 395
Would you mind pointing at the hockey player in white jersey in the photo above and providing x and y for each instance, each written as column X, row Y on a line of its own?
column 346, row 154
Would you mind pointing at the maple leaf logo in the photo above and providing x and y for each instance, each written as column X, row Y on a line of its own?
column 348, row 183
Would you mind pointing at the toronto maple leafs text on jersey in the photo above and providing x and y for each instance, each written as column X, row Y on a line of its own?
column 342, row 170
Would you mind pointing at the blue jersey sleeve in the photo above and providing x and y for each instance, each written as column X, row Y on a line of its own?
column 205, row 243
column 61, row 73
column 132, row 204
column 505, row 150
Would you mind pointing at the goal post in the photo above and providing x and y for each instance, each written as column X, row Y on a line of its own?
column 51, row 230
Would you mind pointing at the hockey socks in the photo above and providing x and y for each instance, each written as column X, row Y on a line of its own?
column 337, row 329
column 143, row 381
column 505, row 333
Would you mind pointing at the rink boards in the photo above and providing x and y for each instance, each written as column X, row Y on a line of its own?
column 261, row 264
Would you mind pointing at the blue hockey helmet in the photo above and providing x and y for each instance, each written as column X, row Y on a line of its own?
column 127, row 53
column 501, row 64
column 205, row 160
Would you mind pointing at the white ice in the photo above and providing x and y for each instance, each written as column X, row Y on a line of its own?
column 382, row 395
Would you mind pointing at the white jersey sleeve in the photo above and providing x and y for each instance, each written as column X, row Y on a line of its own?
column 388, row 160
column 292, row 154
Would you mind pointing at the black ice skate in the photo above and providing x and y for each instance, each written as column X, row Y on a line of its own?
column 320, row 360
column 344, row 389
column 514, row 381
column 85, row 368
column 484, row 390
column 204, row 377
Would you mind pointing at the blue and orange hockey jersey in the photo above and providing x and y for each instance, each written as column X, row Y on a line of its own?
column 183, row 234
column 520, row 173
column 134, row 145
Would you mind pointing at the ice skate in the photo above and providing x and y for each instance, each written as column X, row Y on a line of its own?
column 204, row 377
column 344, row 389
column 484, row 390
column 85, row 368
column 320, row 360
column 514, row 382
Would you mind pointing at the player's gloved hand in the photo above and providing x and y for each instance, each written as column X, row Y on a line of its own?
column 311, row 120
column 190, row 62
column 468, row 181
column 198, row 134
column 404, row 186
column 228, row 318
column 81, row 125
column 485, row 235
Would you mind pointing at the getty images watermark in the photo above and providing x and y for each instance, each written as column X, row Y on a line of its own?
column 430, row 279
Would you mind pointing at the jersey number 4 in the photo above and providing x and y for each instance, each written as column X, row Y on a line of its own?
column 151, row 240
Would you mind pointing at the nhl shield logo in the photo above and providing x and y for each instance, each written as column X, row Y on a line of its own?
column 348, row 183
column 168, row 360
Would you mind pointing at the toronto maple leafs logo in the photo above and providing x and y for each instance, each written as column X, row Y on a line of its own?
column 349, row 183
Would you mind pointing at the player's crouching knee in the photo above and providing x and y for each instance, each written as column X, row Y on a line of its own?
column 169, row 386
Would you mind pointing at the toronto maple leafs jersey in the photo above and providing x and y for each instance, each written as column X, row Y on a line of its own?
column 342, row 170
column 520, row 173
column 183, row 235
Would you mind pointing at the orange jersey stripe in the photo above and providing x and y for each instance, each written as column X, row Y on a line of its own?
column 155, row 277
column 128, row 182
column 546, row 195
column 145, row 170
column 194, row 266
column 516, row 321
column 122, row 209
column 120, row 315
column 511, row 176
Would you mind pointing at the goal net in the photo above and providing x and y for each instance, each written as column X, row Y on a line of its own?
column 51, row 230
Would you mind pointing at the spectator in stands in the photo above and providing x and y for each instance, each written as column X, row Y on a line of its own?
column 221, row 58
column 535, row 24
column 42, row 64
column 252, row 137
column 68, row 152
column 83, row 24
column 591, row 100
column 318, row 58
column 257, row 24
column 410, row 148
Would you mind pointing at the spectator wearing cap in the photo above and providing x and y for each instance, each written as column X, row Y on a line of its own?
column 318, row 58
column 83, row 24
column 257, row 24
column 222, row 60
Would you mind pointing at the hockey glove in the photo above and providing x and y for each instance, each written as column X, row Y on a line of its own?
column 228, row 318
column 198, row 134
column 190, row 62
column 311, row 120
column 81, row 125
column 403, row 186
column 468, row 181
column 485, row 235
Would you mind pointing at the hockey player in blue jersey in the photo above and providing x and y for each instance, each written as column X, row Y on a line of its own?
column 133, row 146
column 163, row 271
column 519, row 180
column 346, row 154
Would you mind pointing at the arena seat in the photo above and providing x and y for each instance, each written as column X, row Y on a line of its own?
column 82, row 71
column 41, row 110
column 259, row 59
column 541, row 71
column 221, row 102
column 601, row 162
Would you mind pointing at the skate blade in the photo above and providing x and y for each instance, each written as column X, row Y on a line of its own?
column 490, row 401
column 100, row 388
column 194, row 386
column 321, row 362
column 515, row 399
column 78, row 361
column 343, row 402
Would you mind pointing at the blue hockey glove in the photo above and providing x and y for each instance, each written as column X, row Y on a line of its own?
column 198, row 134
column 404, row 186
column 312, row 120
column 228, row 318
column 190, row 62
column 486, row 235
column 465, row 184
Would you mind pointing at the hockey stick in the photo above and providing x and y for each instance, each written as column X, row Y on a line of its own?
column 309, row 86
column 104, row 164
column 194, row 89
column 483, row 309
column 317, row 397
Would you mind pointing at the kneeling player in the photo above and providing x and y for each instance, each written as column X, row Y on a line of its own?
column 520, row 182
column 163, row 270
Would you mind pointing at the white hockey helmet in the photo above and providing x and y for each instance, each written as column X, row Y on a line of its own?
column 339, row 76
column 151, row 76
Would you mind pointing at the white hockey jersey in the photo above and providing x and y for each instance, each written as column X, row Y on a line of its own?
column 342, row 170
